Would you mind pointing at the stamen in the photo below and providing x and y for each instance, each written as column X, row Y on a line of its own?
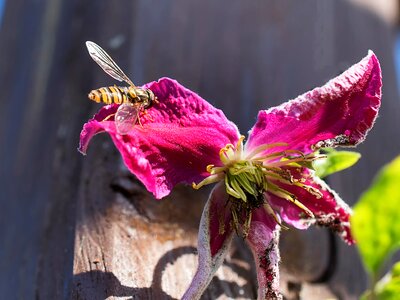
column 235, row 220
column 310, row 189
column 271, row 212
column 315, row 155
column 262, row 148
column 236, row 186
column 215, row 170
column 265, row 185
column 246, row 225
column 242, row 170
column 259, row 178
column 280, row 153
column 209, row 168
column 239, row 147
column 245, row 183
column 226, row 154
column 281, row 163
column 277, row 191
column 230, row 190
column 208, row 180
column 277, row 173
column 248, row 176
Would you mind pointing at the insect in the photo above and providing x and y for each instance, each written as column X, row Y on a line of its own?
column 133, row 100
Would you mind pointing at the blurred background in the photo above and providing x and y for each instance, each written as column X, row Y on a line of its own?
column 74, row 227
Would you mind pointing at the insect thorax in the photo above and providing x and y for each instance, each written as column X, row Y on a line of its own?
column 139, row 95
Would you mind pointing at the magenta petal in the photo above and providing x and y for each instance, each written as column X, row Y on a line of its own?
column 180, row 136
column 263, row 240
column 329, row 210
column 340, row 113
column 92, row 127
column 215, row 236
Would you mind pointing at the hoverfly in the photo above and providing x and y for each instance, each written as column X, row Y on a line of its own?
column 132, row 99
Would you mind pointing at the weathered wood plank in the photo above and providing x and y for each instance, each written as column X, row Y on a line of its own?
column 43, row 80
column 128, row 244
column 217, row 61
column 124, row 244
column 28, row 134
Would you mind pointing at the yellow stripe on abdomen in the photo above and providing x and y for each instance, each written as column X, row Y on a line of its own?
column 105, row 97
column 112, row 94
column 116, row 94
column 124, row 93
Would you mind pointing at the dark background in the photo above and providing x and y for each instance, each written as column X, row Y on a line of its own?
column 241, row 56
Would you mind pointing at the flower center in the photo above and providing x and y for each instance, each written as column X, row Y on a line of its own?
column 248, row 176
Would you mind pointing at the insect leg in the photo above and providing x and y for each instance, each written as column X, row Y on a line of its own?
column 108, row 117
column 150, row 117
column 138, row 117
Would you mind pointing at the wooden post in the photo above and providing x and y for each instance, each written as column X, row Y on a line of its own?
column 78, row 227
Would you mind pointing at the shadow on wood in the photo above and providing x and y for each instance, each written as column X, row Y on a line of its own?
column 61, row 212
column 99, row 285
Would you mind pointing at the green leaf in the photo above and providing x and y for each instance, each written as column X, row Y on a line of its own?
column 376, row 220
column 335, row 161
column 388, row 288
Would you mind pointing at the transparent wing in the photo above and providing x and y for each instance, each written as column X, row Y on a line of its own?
column 107, row 63
column 126, row 117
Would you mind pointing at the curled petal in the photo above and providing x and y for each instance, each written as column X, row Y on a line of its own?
column 215, row 236
column 340, row 113
column 181, row 135
column 92, row 127
column 328, row 208
column 263, row 240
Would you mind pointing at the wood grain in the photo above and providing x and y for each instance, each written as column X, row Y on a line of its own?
column 75, row 227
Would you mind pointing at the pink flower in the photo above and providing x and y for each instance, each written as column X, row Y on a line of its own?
column 259, row 183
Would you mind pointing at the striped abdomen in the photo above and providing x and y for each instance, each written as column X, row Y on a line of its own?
column 113, row 94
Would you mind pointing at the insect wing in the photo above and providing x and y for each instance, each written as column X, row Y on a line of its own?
column 107, row 63
column 126, row 117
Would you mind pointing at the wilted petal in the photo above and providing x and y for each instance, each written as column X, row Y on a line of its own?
column 215, row 236
column 263, row 240
column 180, row 136
column 328, row 208
column 340, row 113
